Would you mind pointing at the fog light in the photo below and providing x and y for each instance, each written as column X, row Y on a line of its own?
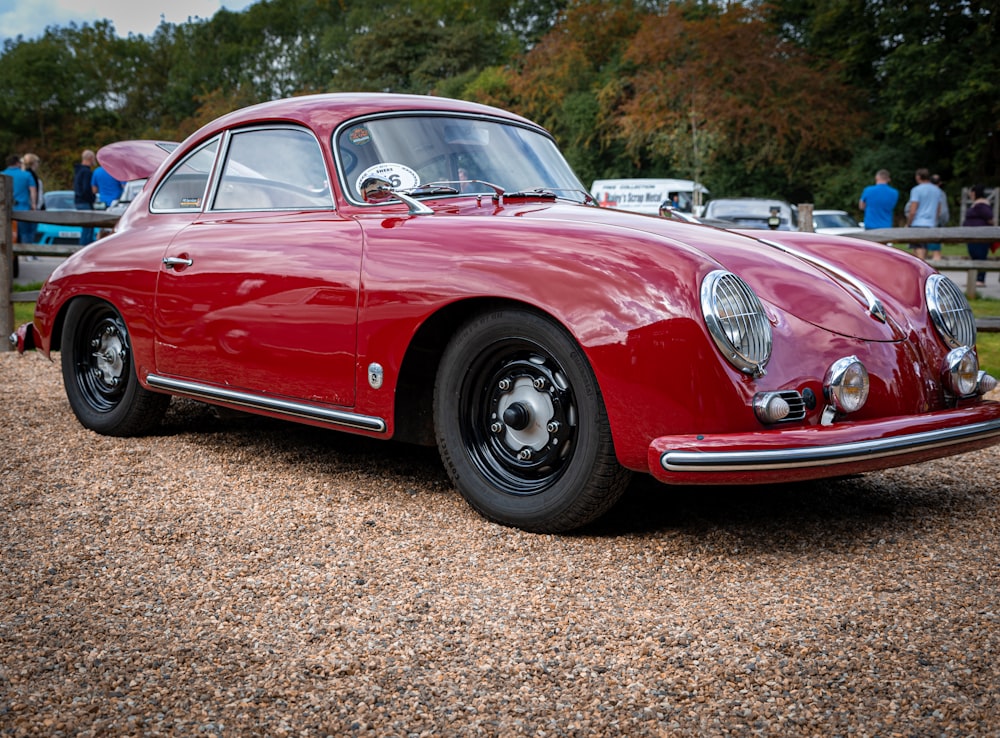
column 961, row 372
column 846, row 385
column 986, row 383
column 770, row 407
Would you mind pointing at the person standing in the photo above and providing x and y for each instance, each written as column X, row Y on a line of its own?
column 980, row 213
column 30, row 164
column 945, row 214
column 107, row 188
column 924, row 211
column 83, row 191
column 878, row 201
column 22, row 198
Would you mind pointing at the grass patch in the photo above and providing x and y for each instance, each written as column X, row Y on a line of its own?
column 23, row 313
column 985, row 307
column 988, row 350
column 26, row 287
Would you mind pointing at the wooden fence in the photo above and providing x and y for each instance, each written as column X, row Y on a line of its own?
column 90, row 218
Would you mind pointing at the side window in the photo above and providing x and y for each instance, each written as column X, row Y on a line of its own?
column 273, row 169
column 183, row 190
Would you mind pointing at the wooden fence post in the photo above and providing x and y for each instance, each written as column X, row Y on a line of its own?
column 6, row 262
column 806, row 217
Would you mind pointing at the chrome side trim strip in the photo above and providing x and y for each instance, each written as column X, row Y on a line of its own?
column 874, row 304
column 844, row 453
column 336, row 418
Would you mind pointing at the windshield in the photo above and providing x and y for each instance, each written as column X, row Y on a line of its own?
column 464, row 152
column 834, row 220
column 752, row 212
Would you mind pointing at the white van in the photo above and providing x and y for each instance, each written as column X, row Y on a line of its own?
column 646, row 195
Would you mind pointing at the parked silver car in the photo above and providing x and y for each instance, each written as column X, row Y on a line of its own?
column 753, row 212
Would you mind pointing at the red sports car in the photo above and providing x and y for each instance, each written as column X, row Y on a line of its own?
column 433, row 271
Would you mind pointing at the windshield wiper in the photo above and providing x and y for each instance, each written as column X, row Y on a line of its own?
column 431, row 188
column 542, row 192
column 553, row 193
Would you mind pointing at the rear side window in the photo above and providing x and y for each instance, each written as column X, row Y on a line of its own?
column 278, row 168
column 183, row 190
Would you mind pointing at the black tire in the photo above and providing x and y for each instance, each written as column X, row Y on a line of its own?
column 521, row 426
column 99, row 374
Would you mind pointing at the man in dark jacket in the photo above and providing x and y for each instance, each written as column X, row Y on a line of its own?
column 83, row 191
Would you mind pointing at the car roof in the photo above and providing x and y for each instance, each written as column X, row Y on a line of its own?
column 315, row 108
column 127, row 160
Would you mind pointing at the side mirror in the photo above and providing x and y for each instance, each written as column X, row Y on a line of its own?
column 376, row 191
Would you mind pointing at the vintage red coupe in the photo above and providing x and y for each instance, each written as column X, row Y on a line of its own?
column 432, row 270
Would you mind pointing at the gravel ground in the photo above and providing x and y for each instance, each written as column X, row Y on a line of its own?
column 238, row 576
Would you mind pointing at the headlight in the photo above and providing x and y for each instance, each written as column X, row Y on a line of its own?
column 846, row 385
column 735, row 317
column 961, row 372
column 950, row 312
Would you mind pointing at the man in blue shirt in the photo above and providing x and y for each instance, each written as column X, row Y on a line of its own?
column 23, row 195
column 878, row 201
column 107, row 188
column 924, row 211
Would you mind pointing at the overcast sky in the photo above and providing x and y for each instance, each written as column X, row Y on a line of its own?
column 30, row 18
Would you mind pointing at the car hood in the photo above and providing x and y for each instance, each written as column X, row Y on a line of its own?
column 786, row 269
column 127, row 160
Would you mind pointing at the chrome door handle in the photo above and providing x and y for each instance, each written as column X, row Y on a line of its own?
column 171, row 262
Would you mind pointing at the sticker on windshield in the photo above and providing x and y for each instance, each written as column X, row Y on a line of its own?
column 360, row 136
column 399, row 176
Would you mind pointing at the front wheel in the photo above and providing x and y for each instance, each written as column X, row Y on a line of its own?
column 99, row 373
column 521, row 425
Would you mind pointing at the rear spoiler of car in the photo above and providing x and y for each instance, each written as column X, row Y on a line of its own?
column 128, row 160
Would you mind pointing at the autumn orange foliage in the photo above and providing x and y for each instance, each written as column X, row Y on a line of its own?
column 658, row 77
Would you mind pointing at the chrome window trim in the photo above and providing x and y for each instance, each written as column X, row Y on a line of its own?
column 164, row 180
column 219, row 169
column 352, row 197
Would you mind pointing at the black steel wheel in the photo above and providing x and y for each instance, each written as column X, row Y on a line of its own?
column 99, row 374
column 521, row 426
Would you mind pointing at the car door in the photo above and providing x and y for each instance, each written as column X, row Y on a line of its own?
column 260, row 292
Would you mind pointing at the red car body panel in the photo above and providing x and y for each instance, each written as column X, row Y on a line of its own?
column 297, row 305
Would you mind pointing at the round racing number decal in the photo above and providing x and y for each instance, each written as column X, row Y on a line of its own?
column 399, row 176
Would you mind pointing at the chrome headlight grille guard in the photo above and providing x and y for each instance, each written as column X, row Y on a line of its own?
column 737, row 322
column 950, row 312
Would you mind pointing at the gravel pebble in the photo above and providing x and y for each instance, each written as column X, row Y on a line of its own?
column 241, row 576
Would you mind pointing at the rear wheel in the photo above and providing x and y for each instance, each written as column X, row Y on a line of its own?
column 521, row 425
column 99, row 373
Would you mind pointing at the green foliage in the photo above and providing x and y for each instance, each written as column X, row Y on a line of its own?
column 802, row 99
column 928, row 72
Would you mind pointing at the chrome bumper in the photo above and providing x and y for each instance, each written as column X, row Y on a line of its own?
column 23, row 339
column 845, row 453
column 791, row 454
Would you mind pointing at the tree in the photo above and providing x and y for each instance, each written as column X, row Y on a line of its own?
column 420, row 46
column 927, row 71
column 729, row 85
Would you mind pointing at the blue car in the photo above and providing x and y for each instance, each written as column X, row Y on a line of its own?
column 50, row 234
